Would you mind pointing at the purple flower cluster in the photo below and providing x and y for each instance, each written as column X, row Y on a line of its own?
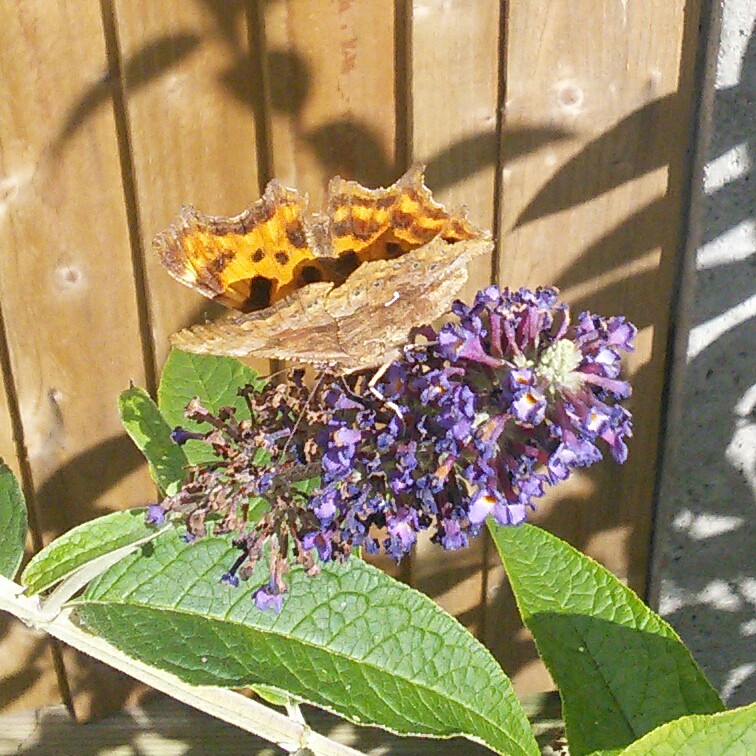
column 473, row 420
column 477, row 420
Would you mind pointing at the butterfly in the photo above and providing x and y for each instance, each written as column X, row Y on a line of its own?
column 343, row 288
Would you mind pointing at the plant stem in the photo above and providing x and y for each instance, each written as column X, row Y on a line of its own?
column 227, row 705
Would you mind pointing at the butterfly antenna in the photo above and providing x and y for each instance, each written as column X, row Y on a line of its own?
column 302, row 413
column 276, row 373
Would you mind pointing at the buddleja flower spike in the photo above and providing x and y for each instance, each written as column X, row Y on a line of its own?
column 476, row 419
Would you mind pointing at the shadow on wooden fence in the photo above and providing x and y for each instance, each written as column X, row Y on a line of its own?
column 274, row 80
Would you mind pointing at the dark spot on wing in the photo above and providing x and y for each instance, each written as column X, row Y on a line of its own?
column 419, row 232
column 281, row 258
column 400, row 219
column 258, row 255
column 393, row 249
column 435, row 213
column 345, row 264
column 341, row 228
column 218, row 265
column 295, row 233
column 260, row 292
column 311, row 274
column 363, row 228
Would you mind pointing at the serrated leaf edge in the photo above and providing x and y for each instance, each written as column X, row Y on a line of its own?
column 689, row 717
column 286, row 636
column 44, row 554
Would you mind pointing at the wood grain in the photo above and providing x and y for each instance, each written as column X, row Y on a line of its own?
column 330, row 76
column 331, row 92
column 66, row 276
column 113, row 114
column 454, row 98
column 7, row 444
column 191, row 99
column 455, row 86
column 600, row 214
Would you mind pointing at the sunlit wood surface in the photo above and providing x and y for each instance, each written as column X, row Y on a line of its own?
column 564, row 127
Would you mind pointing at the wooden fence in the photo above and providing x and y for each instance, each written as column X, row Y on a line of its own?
column 564, row 127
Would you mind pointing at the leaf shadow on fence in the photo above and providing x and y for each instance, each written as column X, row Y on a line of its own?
column 351, row 147
column 29, row 670
column 138, row 72
column 708, row 483
column 605, row 162
column 83, row 479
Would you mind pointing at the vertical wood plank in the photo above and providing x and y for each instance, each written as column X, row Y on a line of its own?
column 454, row 102
column 599, row 214
column 27, row 677
column 7, row 444
column 191, row 98
column 331, row 99
column 66, row 278
column 455, row 88
column 331, row 92
column 27, row 674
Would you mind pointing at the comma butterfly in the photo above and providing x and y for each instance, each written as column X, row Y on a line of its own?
column 344, row 288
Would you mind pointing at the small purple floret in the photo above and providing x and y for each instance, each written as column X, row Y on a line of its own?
column 480, row 506
column 155, row 514
column 503, row 403
column 529, row 407
column 181, row 435
column 268, row 598
column 230, row 579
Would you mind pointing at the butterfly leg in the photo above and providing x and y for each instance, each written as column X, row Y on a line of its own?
column 377, row 394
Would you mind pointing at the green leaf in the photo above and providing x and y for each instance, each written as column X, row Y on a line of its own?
column 214, row 380
column 306, row 486
column 258, row 506
column 12, row 523
column 620, row 669
column 729, row 733
column 149, row 431
column 81, row 545
column 351, row 640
